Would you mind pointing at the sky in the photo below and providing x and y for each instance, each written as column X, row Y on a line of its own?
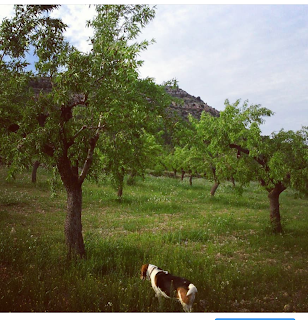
column 249, row 52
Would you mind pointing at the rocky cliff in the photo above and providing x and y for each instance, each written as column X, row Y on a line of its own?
column 191, row 105
column 40, row 84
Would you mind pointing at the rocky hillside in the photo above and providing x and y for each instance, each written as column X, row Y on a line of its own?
column 191, row 105
column 40, row 84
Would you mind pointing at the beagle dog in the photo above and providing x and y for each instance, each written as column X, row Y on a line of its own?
column 168, row 286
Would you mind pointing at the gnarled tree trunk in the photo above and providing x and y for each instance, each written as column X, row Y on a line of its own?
column 216, row 184
column 273, row 196
column 73, row 226
column 214, row 188
column 190, row 179
column 34, row 170
column 183, row 174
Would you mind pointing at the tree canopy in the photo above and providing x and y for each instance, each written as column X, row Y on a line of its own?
column 92, row 95
column 278, row 161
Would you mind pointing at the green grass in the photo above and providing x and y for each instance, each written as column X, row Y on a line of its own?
column 222, row 244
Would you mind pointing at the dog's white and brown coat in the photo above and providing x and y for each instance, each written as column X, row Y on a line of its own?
column 167, row 285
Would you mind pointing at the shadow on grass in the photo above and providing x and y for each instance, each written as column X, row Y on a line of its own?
column 239, row 202
column 113, row 257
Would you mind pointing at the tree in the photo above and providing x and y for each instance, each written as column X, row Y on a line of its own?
column 122, row 154
column 189, row 160
column 131, row 144
column 12, row 92
column 277, row 162
column 211, row 160
column 89, row 92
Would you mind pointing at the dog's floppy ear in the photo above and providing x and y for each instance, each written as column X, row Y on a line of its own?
column 144, row 270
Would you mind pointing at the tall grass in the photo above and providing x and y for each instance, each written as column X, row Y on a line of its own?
column 222, row 244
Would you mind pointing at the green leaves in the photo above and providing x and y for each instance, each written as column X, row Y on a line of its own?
column 61, row 121
column 237, row 147
column 33, row 28
column 122, row 22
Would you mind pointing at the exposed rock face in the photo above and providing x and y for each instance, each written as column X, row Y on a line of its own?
column 192, row 105
column 44, row 85
column 40, row 84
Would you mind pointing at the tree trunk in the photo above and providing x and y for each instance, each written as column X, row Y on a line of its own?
column 273, row 196
column 121, row 175
column 233, row 181
column 34, row 171
column 190, row 177
column 73, row 226
column 214, row 188
column 174, row 172
column 183, row 174
column 73, row 181
column 120, row 191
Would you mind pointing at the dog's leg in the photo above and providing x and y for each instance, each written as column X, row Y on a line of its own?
column 160, row 301
column 159, row 297
column 186, row 301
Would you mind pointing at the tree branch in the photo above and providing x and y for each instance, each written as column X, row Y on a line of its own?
column 246, row 151
column 90, row 154
column 238, row 148
column 71, row 142
column 77, row 99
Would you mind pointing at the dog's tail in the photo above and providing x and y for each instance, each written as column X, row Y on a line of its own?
column 191, row 290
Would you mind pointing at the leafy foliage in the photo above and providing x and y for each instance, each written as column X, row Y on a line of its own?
column 238, row 149
column 90, row 93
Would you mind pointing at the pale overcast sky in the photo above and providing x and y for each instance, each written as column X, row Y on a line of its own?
column 218, row 52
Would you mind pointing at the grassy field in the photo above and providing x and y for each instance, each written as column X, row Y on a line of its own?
column 223, row 245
